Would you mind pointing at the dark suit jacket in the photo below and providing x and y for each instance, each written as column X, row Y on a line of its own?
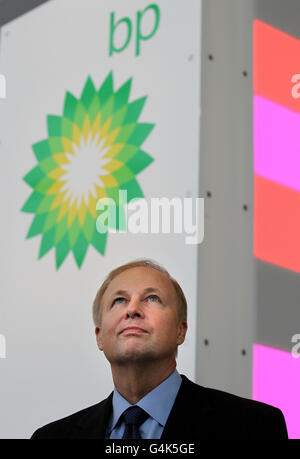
column 198, row 413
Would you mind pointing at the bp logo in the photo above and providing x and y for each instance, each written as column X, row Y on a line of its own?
column 92, row 152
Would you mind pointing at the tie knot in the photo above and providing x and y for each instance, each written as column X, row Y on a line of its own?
column 135, row 415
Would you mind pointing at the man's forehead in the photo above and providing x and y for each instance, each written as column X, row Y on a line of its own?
column 142, row 278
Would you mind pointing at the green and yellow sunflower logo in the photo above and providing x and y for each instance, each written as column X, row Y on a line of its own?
column 92, row 152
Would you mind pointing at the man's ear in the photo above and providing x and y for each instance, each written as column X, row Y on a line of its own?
column 98, row 338
column 182, row 329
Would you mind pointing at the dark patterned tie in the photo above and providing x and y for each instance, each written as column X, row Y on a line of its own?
column 133, row 418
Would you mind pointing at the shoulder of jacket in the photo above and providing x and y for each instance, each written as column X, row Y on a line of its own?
column 218, row 397
column 68, row 422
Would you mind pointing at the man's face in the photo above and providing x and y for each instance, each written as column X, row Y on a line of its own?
column 139, row 319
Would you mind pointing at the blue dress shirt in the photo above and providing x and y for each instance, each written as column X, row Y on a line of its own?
column 157, row 403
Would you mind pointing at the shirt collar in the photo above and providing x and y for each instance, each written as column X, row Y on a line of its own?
column 157, row 403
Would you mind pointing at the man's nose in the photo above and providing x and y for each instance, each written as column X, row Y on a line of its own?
column 134, row 308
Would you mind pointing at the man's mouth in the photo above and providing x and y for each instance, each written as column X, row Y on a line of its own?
column 133, row 331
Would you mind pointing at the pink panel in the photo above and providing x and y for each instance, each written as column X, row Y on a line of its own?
column 276, row 143
column 276, row 381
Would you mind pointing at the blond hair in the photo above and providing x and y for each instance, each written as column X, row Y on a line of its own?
column 140, row 263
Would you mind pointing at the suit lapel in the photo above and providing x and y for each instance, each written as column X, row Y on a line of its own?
column 93, row 424
column 192, row 414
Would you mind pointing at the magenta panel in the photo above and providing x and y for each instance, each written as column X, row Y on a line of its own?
column 276, row 143
column 276, row 381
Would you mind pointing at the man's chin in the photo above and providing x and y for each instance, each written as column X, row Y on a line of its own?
column 134, row 355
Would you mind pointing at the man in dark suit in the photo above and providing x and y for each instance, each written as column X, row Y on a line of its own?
column 140, row 313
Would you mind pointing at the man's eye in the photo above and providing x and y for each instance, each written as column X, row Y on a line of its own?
column 153, row 298
column 118, row 300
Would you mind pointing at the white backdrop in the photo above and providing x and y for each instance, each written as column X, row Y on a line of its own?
column 52, row 366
